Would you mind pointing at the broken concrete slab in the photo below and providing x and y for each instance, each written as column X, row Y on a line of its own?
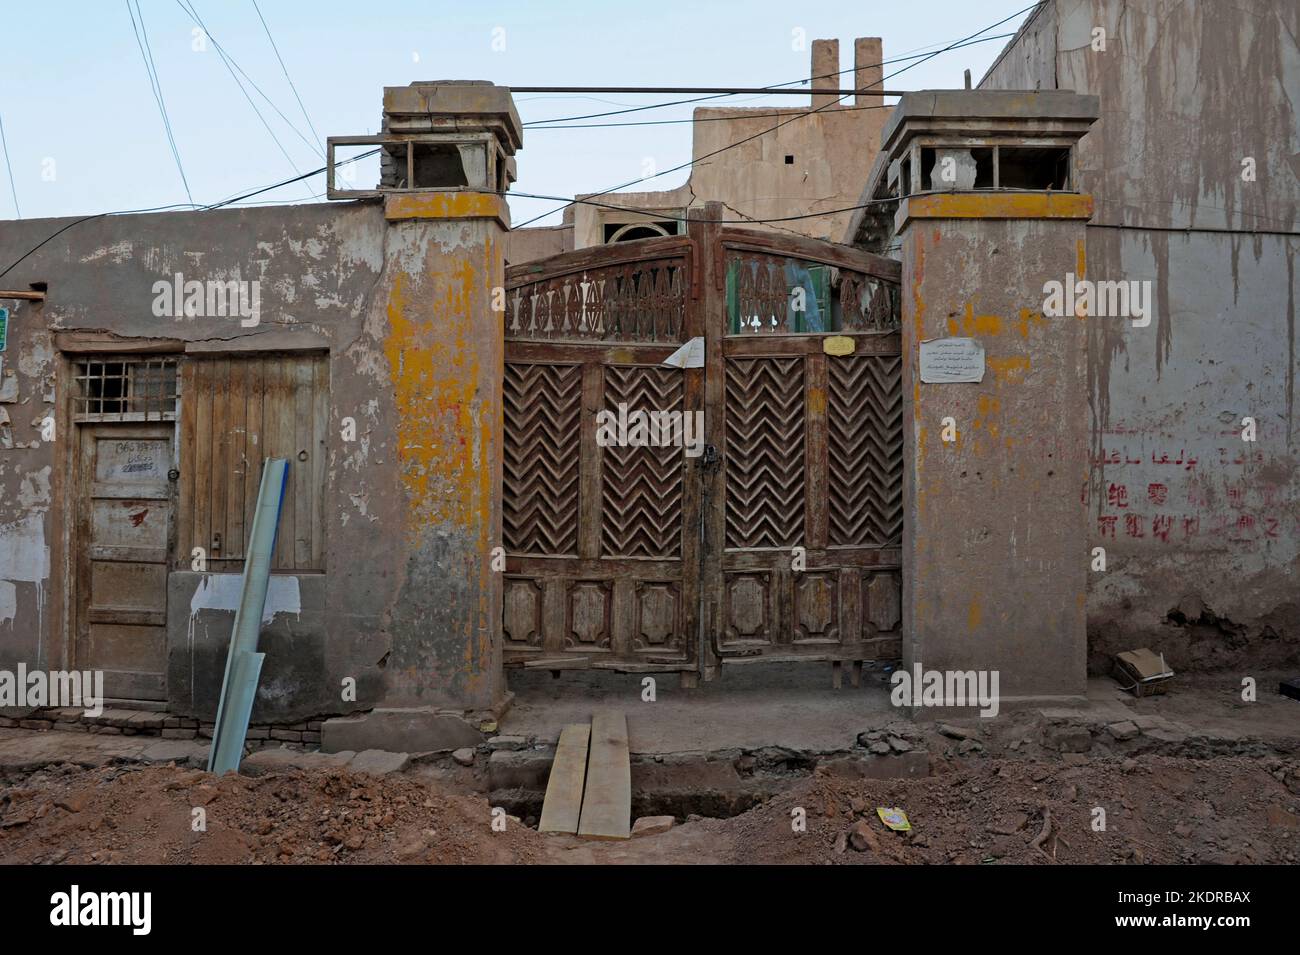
column 22, row 751
column 1093, row 711
column 281, row 760
column 651, row 825
column 181, row 751
column 1123, row 730
column 1069, row 739
column 399, row 730
column 378, row 762
column 1147, row 722
column 147, row 719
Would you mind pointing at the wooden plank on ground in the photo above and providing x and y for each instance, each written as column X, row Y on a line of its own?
column 607, row 802
column 562, row 807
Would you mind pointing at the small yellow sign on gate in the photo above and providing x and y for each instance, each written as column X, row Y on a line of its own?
column 838, row 345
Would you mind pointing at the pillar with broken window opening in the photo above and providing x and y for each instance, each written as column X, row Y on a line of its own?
column 995, row 429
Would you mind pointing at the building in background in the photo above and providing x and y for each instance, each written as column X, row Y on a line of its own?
column 790, row 162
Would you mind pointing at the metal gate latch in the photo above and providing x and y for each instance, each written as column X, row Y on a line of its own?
column 709, row 460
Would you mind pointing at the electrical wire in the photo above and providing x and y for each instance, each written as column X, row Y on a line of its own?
column 786, row 122
column 155, row 85
column 221, row 53
column 310, row 125
column 702, row 119
column 13, row 186
column 542, row 123
column 588, row 200
column 666, row 216
column 232, row 66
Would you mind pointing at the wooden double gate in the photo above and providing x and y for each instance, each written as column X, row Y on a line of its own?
column 773, row 535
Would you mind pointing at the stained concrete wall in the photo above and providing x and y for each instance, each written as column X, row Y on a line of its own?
column 405, row 604
column 296, row 679
column 993, row 567
column 1194, row 521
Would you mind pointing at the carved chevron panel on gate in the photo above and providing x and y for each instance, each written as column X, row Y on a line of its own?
column 641, row 487
column 865, row 449
column 542, row 458
column 765, row 452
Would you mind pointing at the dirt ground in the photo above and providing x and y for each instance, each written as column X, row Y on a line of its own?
column 1157, row 810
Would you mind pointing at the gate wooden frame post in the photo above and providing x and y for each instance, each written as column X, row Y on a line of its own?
column 708, row 312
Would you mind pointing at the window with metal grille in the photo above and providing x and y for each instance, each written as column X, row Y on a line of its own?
column 124, row 389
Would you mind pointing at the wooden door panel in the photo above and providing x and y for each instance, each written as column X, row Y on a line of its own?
column 763, row 452
column 543, row 404
column 600, row 538
column 128, row 586
column 641, row 487
column 126, row 647
column 123, row 545
column 128, row 522
column 811, row 440
column 864, row 411
column 127, row 460
column 239, row 411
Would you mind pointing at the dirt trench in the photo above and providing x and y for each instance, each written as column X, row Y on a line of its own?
column 1153, row 809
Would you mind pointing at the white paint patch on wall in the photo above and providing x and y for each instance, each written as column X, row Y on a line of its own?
column 222, row 592
column 24, row 557
column 8, row 602
column 119, row 252
column 23, row 554
column 37, row 359
column 35, row 489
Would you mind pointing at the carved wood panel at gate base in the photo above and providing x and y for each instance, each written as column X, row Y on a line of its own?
column 634, row 555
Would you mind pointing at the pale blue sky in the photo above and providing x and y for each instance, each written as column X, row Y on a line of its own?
column 74, row 89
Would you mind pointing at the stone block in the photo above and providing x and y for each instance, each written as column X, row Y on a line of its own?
column 399, row 730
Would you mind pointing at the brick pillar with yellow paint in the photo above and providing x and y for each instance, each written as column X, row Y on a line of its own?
column 995, row 549
column 447, row 162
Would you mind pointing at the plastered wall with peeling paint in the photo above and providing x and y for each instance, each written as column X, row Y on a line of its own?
column 1201, row 529
column 402, row 310
column 26, row 525
column 444, row 348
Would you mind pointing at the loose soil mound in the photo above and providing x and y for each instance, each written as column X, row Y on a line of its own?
column 1157, row 810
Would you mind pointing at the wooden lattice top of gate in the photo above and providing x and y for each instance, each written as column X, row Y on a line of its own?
column 642, row 291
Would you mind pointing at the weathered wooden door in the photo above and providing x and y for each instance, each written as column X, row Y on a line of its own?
column 779, row 536
column 123, row 532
